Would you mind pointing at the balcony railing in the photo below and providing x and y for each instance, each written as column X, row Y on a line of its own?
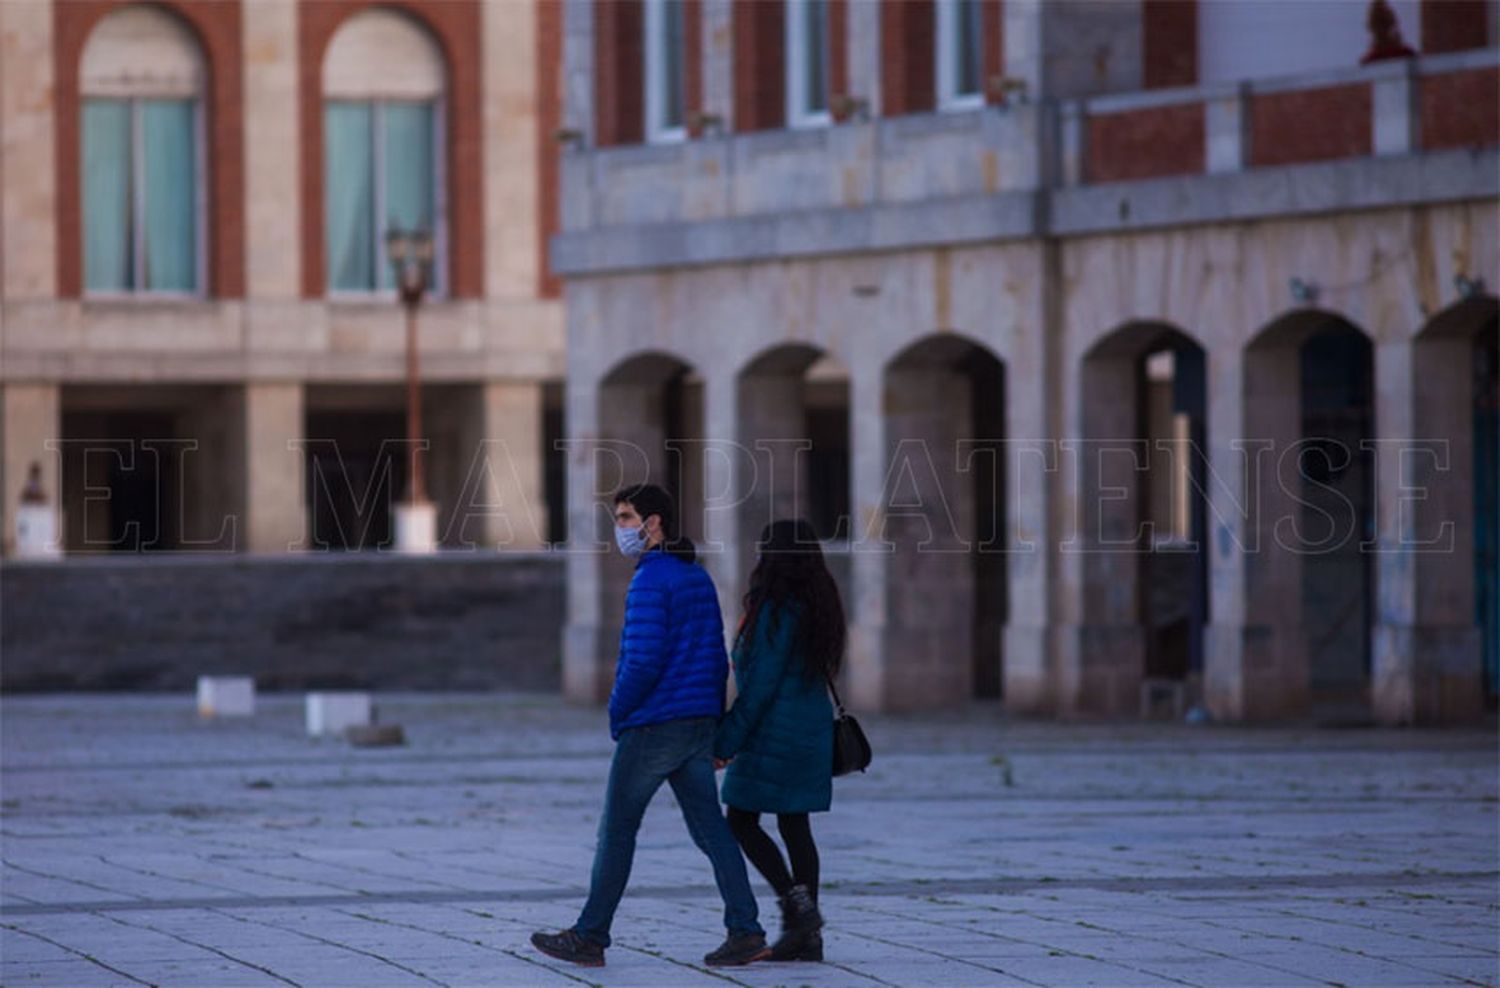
column 1390, row 108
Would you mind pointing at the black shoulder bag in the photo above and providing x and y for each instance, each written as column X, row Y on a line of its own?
column 851, row 749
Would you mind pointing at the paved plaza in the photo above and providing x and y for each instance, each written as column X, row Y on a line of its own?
column 142, row 846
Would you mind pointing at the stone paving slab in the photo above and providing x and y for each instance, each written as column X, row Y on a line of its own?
column 140, row 845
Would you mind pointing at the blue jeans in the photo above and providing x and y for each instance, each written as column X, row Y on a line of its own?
column 676, row 752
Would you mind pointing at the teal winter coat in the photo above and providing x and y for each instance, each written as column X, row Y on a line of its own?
column 780, row 730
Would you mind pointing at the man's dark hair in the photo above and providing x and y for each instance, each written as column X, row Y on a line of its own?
column 648, row 500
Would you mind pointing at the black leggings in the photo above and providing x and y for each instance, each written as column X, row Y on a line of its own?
column 796, row 833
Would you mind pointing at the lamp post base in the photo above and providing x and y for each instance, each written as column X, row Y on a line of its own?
column 416, row 528
column 36, row 532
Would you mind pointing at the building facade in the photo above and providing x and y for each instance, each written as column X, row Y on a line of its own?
column 1119, row 350
column 200, row 343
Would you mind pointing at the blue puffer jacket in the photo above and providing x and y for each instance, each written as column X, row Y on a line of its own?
column 672, row 664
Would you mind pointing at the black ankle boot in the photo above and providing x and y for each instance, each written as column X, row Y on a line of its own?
column 800, row 923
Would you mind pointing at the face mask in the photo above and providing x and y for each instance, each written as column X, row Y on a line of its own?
column 630, row 541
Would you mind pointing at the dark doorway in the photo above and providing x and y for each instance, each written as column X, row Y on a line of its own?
column 121, row 481
column 1337, row 515
column 356, row 472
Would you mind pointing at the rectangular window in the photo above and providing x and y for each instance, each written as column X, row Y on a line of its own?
column 807, row 62
column 960, row 57
column 380, row 173
column 141, row 213
column 665, row 48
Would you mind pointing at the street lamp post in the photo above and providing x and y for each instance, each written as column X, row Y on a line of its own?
column 410, row 253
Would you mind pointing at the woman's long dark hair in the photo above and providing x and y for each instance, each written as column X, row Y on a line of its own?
column 648, row 500
column 791, row 569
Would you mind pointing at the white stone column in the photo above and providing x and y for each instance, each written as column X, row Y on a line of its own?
column 867, row 610
column 1226, row 144
column 511, row 179
column 28, row 195
column 863, row 29
column 575, row 170
column 512, row 465
column 718, row 61
column 1029, row 460
column 1393, row 105
column 1227, row 531
column 275, row 468
column 584, row 660
column 31, row 418
column 578, row 67
column 273, row 225
column 723, row 550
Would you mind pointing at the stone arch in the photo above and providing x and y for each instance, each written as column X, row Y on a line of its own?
column 789, row 396
column 646, row 427
column 1143, row 567
column 1309, row 582
column 384, row 51
column 793, row 443
column 143, row 50
column 942, row 523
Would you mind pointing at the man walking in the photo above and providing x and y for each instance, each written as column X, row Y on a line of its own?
column 665, row 705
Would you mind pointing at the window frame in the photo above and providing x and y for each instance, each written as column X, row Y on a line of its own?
column 946, row 34
column 654, row 76
column 794, row 44
column 438, row 287
column 137, row 166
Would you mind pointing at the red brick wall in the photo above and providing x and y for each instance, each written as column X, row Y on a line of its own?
column 619, row 72
column 759, row 65
column 1309, row 125
column 216, row 24
column 1148, row 143
column 908, row 79
column 1453, row 25
column 1461, row 109
column 455, row 25
column 549, row 51
column 1170, row 43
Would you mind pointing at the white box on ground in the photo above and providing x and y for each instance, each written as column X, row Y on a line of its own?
column 226, row 696
column 330, row 713
column 416, row 528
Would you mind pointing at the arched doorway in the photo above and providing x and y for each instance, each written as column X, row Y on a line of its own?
column 1145, row 577
column 944, row 523
column 792, row 420
column 643, row 423
column 1309, row 393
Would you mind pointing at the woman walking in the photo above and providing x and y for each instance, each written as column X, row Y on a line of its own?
column 778, row 737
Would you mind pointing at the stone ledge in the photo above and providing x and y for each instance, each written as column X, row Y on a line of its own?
column 1297, row 190
column 1294, row 190
column 813, row 233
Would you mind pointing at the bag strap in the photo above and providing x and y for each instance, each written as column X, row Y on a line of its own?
column 835, row 691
